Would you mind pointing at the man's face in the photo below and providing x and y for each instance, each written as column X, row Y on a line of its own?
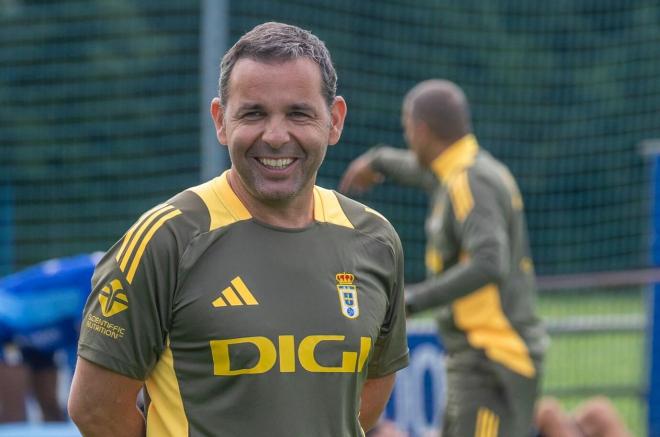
column 277, row 126
column 413, row 135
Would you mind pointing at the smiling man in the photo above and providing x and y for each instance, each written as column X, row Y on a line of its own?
column 256, row 304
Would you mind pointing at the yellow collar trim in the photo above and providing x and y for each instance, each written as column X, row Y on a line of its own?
column 226, row 208
column 222, row 203
column 327, row 208
column 230, row 199
column 456, row 157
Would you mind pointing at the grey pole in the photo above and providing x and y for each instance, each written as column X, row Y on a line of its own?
column 214, row 41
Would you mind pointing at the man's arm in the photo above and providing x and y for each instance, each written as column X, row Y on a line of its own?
column 383, row 162
column 483, row 267
column 485, row 250
column 103, row 403
column 375, row 393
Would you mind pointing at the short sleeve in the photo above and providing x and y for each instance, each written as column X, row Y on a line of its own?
column 127, row 315
column 391, row 347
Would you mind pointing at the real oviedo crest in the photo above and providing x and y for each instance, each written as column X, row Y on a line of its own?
column 348, row 297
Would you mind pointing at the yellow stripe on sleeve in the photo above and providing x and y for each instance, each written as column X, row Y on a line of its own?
column 145, row 241
column 132, row 229
column 141, row 230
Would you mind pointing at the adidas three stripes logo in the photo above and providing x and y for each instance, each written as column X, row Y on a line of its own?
column 237, row 294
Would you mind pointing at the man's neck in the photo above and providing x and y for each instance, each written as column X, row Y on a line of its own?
column 294, row 213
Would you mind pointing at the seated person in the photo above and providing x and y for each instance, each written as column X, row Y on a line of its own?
column 596, row 417
column 40, row 310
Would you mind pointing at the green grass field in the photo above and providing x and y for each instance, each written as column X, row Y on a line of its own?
column 580, row 365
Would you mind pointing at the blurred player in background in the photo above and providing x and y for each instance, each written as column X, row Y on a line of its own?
column 40, row 310
column 595, row 417
column 256, row 304
column 480, row 274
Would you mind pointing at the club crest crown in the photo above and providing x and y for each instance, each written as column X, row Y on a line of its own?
column 345, row 278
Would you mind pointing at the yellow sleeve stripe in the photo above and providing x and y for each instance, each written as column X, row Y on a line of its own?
column 488, row 423
column 147, row 217
column 461, row 196
column 145, row 241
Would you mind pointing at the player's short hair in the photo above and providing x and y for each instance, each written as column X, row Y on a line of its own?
column 279, row 42
column 442, row 105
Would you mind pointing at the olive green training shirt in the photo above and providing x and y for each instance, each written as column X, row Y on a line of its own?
column 239, row 328
column 479, row 270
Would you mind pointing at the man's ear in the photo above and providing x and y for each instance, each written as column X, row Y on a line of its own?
column 337, row 117
column 218, row 117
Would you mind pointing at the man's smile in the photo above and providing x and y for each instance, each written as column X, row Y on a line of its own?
column 276, row 163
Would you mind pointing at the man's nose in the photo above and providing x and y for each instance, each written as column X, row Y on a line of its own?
column 276, row 133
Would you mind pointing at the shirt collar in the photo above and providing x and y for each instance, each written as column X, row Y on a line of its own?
column 456, row 157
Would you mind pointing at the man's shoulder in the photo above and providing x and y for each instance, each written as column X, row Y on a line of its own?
column 175, row 221
column 366, row 220
column 207, row 206
column 183, row 212
column 489, row 171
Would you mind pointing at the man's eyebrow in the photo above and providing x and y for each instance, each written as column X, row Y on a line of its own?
column 249, row 106
column 301, row 107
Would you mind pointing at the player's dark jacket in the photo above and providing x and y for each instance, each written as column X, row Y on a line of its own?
column 240, row 328
column 479, row 269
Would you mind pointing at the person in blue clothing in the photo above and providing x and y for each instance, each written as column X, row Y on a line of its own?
column 40, row 312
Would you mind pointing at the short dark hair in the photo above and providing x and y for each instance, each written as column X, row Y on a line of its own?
column 442, row 105
column 274, row 41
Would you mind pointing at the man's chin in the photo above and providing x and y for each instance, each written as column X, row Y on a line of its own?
column 276, row 194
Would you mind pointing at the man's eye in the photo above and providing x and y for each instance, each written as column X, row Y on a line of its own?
column 253, row 114
column 298, row 114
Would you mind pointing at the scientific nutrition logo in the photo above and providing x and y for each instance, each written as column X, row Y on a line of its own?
column 348, row 297
column 112, row 298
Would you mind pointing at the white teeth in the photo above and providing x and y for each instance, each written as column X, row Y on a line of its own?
column 276, row 163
